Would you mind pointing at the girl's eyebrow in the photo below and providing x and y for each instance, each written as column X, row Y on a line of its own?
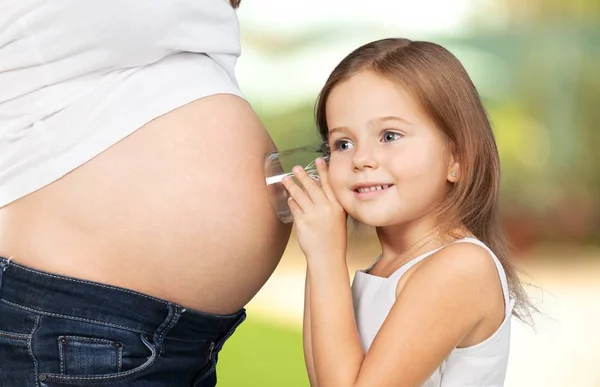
column 371, row 122
column 390, row 118
column 337, row 129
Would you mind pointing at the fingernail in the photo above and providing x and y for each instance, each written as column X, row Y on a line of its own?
column 297, row 168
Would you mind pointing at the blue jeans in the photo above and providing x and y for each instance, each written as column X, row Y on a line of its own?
column 60, row 331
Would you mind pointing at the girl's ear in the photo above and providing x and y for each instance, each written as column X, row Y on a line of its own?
column 453, row 174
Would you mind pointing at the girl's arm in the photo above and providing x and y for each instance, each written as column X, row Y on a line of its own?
column 444, row 299
column 337, row 351
column 306, row 336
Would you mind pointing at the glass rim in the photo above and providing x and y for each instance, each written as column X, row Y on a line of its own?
column 322, row 148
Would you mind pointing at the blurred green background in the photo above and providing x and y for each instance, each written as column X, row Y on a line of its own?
column 536, row 64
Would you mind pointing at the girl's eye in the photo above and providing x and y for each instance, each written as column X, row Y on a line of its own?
column 391, row 136
column 342, row 145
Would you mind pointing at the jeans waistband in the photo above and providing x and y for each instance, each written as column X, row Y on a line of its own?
column 61, row 296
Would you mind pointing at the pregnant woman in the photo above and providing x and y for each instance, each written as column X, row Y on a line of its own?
column 135, row 223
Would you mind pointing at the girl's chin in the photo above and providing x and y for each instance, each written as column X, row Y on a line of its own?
column 372, row 220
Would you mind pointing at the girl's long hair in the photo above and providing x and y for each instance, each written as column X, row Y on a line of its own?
column 441, row 86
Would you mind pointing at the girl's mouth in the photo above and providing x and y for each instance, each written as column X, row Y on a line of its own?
column 367, row 192
column 372, row 188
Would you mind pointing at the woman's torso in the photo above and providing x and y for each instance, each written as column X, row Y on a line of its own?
column 482, row 364
column 178, row 209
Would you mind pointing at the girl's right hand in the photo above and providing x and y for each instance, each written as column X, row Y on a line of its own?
column 320, row 219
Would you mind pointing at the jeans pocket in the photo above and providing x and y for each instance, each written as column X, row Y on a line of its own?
column 78, row 355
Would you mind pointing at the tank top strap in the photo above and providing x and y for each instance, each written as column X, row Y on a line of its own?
column 407, row 266
column 368, row 269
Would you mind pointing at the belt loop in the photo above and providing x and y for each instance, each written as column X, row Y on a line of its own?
column 4, row 262
column 3, row 266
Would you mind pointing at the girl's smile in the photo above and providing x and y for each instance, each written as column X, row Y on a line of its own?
column 369, row 191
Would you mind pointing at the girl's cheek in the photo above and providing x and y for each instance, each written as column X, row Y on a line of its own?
column 335, row 180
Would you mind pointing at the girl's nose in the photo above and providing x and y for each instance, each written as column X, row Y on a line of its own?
column 364, row 158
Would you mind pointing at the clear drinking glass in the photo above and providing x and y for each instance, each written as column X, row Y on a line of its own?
column 279, row 164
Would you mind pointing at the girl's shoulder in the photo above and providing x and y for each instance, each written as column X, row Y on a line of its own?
column 466, row 269
column 466, row 258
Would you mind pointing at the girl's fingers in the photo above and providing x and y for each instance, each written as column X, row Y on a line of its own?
column 300, row 197
column 323, row 170
column 294, row 208
column 313, row 190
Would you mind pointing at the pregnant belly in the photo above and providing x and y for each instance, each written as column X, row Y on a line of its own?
column 177, row 210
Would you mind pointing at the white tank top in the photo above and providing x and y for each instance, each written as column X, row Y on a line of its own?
column 482, row 365
column 78, row 76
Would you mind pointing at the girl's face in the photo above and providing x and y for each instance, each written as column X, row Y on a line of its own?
column 389, row 164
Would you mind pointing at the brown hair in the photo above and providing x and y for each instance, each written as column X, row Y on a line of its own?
column 235, row 3
column 441, row 86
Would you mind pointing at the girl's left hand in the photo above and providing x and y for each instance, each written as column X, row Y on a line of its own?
column 320, row 219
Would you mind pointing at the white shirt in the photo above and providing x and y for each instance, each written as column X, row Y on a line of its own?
column 482, row 365
column 78, row 76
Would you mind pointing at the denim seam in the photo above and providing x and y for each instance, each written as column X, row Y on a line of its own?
column 188, row 340
column 61, row 357
column 15, row 336
column 30, row 349
column 82, row 339
column 215, row 316
column 119, row 355
column 36, row 272
column 211, row 350
column 207, row 373
column 172, row 318
column 72, row 317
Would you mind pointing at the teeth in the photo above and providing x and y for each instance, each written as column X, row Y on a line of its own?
column 373, row 188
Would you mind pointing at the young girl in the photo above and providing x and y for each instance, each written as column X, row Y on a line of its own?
column 412, row 154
